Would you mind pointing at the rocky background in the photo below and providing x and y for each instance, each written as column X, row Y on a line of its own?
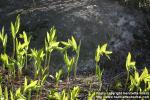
column 124, row 28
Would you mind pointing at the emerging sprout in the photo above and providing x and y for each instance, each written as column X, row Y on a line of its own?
column 91, row 95
column 136, row 81
column 57, row 76
column 75, row 93
column 3, row 39
column 38, row 57
column 14, row 30
column 50, row 45
column 73, row 44
column 100, row 51
column 129, row 65
column 69, row 63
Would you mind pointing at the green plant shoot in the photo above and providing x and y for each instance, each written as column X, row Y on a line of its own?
column 73, row 44
column 91, row 95
column 69, row 63
column 50, row 45
column 57, row 76
column 3, row 38
column 129, row 65
column 100, row 51
column 136, row 81
column 38, row 57
column 14, row 30
column 74, row 93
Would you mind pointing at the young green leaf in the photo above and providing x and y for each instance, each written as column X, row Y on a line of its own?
column 103, row 48
column 2, row 33
column 91, row 95
column 17, row 24
column 62, row 96
column 144, row 74
column 129, row 63
column 66, row 44
column 4, row 58
column 6, row 93
column 75, row 92
column 66, row 59
column 58, row 74
column 52, row 33
column 43, row 79
column 1, row 92
column 32, row 85
column 97, row 54
column 13, row 31
column 74, row 44
column 102, row 51
column 19, row 95
column 18, row 92
column 137, row 78
column 11, row 95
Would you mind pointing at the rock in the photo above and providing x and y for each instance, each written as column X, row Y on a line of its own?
column 93, row 21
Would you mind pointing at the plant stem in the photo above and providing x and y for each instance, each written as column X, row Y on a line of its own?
column 14, row 72
column 29, row 95
column 45, row 60
column 145, row 87
column 127, row 80
column 3, row 67
column 37, row 94
column 68, row 80
column 26, row 61
column 40, row 93
column 4, row 49
column 100, row 86
column 76, row 63
column 75, row 67
column 49, row 58
column 19, row 73
column 14, row 46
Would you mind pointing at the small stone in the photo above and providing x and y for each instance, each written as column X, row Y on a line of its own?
column 132, row 23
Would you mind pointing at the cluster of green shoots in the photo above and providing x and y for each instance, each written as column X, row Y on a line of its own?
column 138, row 83
column 16, row 63
column 21, row 93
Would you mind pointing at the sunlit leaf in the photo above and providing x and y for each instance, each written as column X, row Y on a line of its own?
column 11, row 96
column 97, row 54
column 13, row 30
column 65, row 43
column 91, row 95
column 17, row 24
column 44, row 79
column 52, row 33
column 75, row 92
column 6, row 93
column 129, row 63
column 58, row 74
column 31, row 85
column 25, row 82
column 137, row 78
column 103, row 48
column 144, row 74
column 66, row 59
column 74, row 44
column 1, row 92
column 18, row 92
